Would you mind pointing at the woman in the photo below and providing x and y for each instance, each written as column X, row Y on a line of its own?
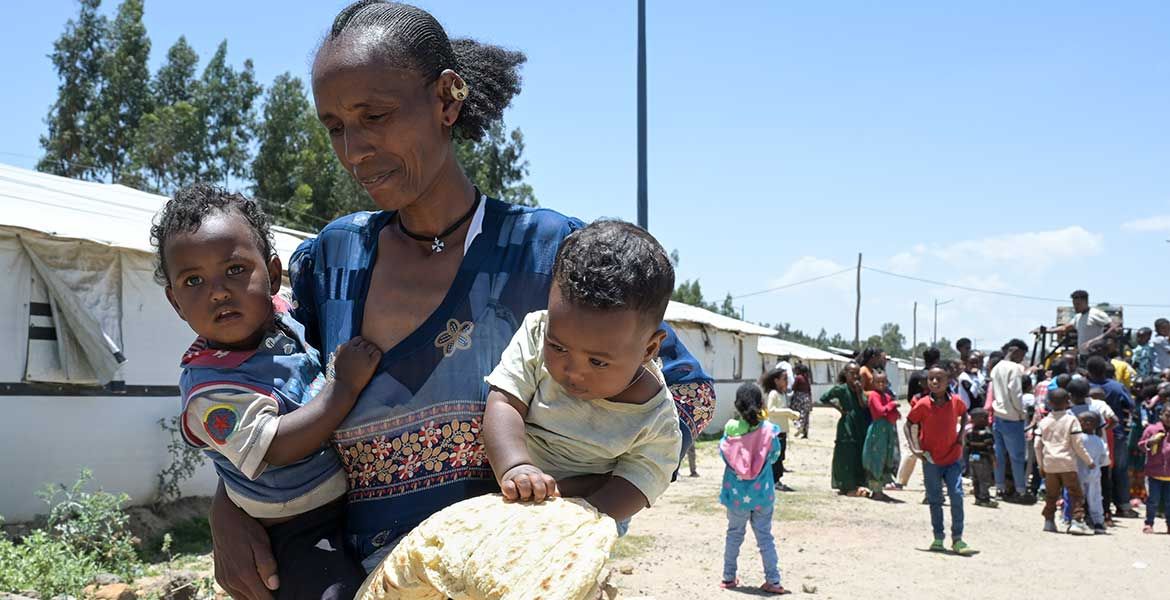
column 872, row 360
column 438, row 279
column 802, row 396
column 849, row 399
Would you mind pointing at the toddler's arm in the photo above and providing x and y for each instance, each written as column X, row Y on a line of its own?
column 507, row 452
column 304, row 430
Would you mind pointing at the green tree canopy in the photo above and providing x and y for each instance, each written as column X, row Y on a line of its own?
column 77, row 57
column 125, row 93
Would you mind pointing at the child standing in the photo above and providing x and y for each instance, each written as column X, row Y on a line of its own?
column 253, row 394
column 1157, row 470
column 775, row 383
column 750, row 443
column 1058, row 446
column 880, row 455
column 1091, row 478
column 932, row 430
column 981, row 457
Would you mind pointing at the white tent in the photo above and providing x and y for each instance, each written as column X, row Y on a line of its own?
column 727, row 349
column 92, row 361
column 823, row 365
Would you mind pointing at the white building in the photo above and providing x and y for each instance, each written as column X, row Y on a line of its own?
column 91, row 361
column 727, row 348
column 824, row 366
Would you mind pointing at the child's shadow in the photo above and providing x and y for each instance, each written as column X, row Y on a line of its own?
column 949, row 553
column 755, row 591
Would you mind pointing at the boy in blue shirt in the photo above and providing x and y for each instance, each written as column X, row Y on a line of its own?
column 253, row 391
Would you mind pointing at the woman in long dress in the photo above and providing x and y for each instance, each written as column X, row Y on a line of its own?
column 802, row 397
column 847, row 397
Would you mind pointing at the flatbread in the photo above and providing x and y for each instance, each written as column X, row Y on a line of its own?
column 488, row 549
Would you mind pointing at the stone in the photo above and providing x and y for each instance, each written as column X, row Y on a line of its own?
column 808, row 589
column 627, row 570
column 7, row 596
column 174, row 585
column 114, row 591
column 105, row 579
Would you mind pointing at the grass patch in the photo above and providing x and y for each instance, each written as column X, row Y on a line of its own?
column 192, row 537
column 632, row 546
column 703, row 505
column 800, row 506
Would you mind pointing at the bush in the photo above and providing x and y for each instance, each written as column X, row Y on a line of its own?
column 86, row 534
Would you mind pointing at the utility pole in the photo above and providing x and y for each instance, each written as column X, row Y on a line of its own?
column 643, row 216
column 857, row 315
column 936, row 305
column 914, row 347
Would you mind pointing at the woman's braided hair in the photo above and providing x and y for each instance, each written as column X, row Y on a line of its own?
column 413, row 39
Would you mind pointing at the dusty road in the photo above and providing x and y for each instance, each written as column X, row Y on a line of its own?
column 855, row 548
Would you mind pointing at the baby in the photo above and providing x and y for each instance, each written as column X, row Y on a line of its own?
column 253, row 392
column 578, row 406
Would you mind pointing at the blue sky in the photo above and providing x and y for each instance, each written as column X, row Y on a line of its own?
column 1022, row 147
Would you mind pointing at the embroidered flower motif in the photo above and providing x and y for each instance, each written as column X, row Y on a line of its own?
column 456, row 337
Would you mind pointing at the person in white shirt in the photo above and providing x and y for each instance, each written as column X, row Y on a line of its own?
column 1090, row 323
column 1007, row 382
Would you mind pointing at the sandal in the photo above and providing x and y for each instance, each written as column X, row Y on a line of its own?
column 1147, row 529
column 729, row 585
column 774, row 588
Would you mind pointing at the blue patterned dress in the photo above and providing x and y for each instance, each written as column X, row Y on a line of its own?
column 411, row 445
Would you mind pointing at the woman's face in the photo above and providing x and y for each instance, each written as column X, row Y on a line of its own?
column 389, row 126
column 781, row 382
column 851, row 374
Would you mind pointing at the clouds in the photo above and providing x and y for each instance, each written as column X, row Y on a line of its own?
column 1148, row 224
column 1033, row 249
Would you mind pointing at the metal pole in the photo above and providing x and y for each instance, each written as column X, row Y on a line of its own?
column 934, row 338
column 643, row 216
column 914, row 347
column 857, row 315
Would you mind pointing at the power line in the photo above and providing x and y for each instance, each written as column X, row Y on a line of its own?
column 995, row 292
column 794, row 284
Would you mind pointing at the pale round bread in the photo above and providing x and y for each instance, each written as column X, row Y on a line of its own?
column 488, row 549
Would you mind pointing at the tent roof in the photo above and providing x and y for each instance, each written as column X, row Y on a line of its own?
column 100, row 212
column 778, row 347
column 678, row 312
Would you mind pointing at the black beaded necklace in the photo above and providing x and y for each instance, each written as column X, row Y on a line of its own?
column 437, row 244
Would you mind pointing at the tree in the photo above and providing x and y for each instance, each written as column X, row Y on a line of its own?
column 295, row 172
column 167, row 147
column 496, row 166
column 226, row 99
column 175, row 81
column 946, row 349
column 892, row 340
column 125, row 94
column 727, row 309
column 77, row 56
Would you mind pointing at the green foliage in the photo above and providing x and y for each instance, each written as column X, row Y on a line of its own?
column 184, row 461
column 166, row 147
column 226, row 99
column 175, row 81
column 86, row 534
column 124, row 97
column 295, row 172
column 77, row 57
column 496, row 165
column 191, row 537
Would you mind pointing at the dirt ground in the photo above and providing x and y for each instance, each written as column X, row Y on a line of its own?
column 839, row 547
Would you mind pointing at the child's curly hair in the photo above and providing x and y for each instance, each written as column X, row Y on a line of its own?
column 186, row 211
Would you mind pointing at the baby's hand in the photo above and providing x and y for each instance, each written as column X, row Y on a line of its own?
column 355, row 362
column 527, row 483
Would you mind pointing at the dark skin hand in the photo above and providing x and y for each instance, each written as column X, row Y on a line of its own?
column 244, row 565
column 303, row 431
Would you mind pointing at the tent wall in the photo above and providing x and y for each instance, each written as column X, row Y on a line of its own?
column 50, row 433
column 727, row 357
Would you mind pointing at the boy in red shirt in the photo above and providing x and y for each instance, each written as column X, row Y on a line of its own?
column 932, row 430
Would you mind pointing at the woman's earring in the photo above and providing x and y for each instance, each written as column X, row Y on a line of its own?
column 459, row 90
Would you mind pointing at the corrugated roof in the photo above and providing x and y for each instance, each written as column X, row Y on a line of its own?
column 778, row 347
column 678, row 312
column 100, row 212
